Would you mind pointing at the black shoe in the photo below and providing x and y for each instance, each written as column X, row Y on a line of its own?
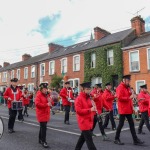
column 113, row 129
column 141, row 132
column 67, row 122
column 10, row 131
column 105, row 138
column 40, row 142
column 138, row 142
column 117, row 141
column 27, row 115
column 44, row 144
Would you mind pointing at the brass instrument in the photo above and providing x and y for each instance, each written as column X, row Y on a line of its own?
column 134, row 96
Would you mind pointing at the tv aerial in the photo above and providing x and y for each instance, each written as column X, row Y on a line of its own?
column 137, row 12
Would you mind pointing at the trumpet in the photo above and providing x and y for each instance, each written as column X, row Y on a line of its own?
column 134, row 96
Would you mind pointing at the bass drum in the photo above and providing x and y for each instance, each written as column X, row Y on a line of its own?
column 1, row 127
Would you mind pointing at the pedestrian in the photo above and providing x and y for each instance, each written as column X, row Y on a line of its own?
column 26, row 101
column 125, row 108
column 42, row 105
column 85, row 116
column 108, row 99
column 12, row 94
column 143, row 101
column 97, row 98
column 66, row 95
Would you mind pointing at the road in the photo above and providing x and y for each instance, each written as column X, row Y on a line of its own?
column 61, row 136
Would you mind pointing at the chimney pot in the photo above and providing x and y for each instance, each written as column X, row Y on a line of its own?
column 6, row 64
column 53, row 47
column 26, row 57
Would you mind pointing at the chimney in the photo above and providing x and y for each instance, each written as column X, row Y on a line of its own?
column 6, row 64
column 53, row 47
column 100, row 33
column 26, row 57
column 138, row 24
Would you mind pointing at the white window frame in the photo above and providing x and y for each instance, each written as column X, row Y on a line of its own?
column 130, row 61
column 109, row 57
column 24, row 72
column 136, row 84
column 91, row 60
column 31, row 71
column 74, row 82
column 148, row 49
column 66, row 64
column 29, row 85
column 41, row 70
column 17, row 74
column 12, row 74
column 74, row 62
column 51, row 73
column 4, row 79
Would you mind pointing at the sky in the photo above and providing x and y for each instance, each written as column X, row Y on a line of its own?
column 27, row 26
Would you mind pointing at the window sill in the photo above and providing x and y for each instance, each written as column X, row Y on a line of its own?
column 32, row 77
column 51, row 74
column 76, row 70
column 135, row 71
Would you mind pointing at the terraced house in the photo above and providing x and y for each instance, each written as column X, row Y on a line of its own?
column 98, row 60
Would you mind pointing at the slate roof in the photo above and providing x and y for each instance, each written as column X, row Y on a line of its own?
column 109, row 39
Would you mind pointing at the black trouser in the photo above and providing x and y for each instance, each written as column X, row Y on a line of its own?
column 12, row 117
column 85, row 136
column 67, row 110
column 111, row 117
column 100, row 124
column 144, row 119
column 20, row 116
column 131, row 124
column 25, row 109
column 42, row 132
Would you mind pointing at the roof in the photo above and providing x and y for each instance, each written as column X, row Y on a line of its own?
column 63, row 51
column 140, row 41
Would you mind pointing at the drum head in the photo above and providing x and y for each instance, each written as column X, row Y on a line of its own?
column 1, row 127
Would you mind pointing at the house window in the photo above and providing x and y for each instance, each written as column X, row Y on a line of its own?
column 25, row 72
column 32, row 71
column 110, row 57
column 42, row 69
column 76, row 63
column 12, row 74
column 4, row 77
column 74, row 83
column 31, row 87
column 148, row 58
column 138, row 84
column 134, row 61
column 51, row 67
column 64, row 65
column 93, row 60
column 18, row 74
column 96, row 80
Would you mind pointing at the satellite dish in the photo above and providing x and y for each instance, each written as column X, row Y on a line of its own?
column 1, row 127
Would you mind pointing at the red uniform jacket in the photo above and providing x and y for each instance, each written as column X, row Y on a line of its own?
column 9, row 93
column 143, row 103
column 98, row 99
column 26, row 99
column 42, row 109
column 83, row 109
column 64, row 93
column 108, row 99
column 125, row 104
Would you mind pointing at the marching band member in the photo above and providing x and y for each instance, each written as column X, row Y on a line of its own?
column 125, row 108
column 26, row 101
column 143, row 101
column 97, row 97
column 108, row 99
column 12, row 93
column 85, row 115
column 66, row 94
column 42, row 112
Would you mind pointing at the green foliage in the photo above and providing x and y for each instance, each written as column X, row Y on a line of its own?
column 56, row 81
column 102, row 69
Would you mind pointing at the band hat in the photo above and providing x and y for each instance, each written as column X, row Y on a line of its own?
column 144, row 86
column 26, row 88
column 67, row 82
column 127, row 77
column 43, row 85
column 86, row 84
column 14, row 80
column 20, row 87
column 99, row 85
column 107, row 84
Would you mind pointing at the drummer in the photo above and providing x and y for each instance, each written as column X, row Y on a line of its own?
column 12, row 93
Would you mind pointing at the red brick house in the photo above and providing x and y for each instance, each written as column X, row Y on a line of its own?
column 136, row 56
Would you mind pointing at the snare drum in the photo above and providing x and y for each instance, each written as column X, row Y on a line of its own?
column 16, row 105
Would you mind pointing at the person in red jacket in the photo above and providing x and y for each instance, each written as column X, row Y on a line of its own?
column 12, row 93
column 42, row 112
column 66, row 94
column 125, row 108
column 143, row 101
column 108, row 99
column 97, row 97
column 85, row 115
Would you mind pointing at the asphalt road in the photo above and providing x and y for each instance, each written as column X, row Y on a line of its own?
column 60, row 136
